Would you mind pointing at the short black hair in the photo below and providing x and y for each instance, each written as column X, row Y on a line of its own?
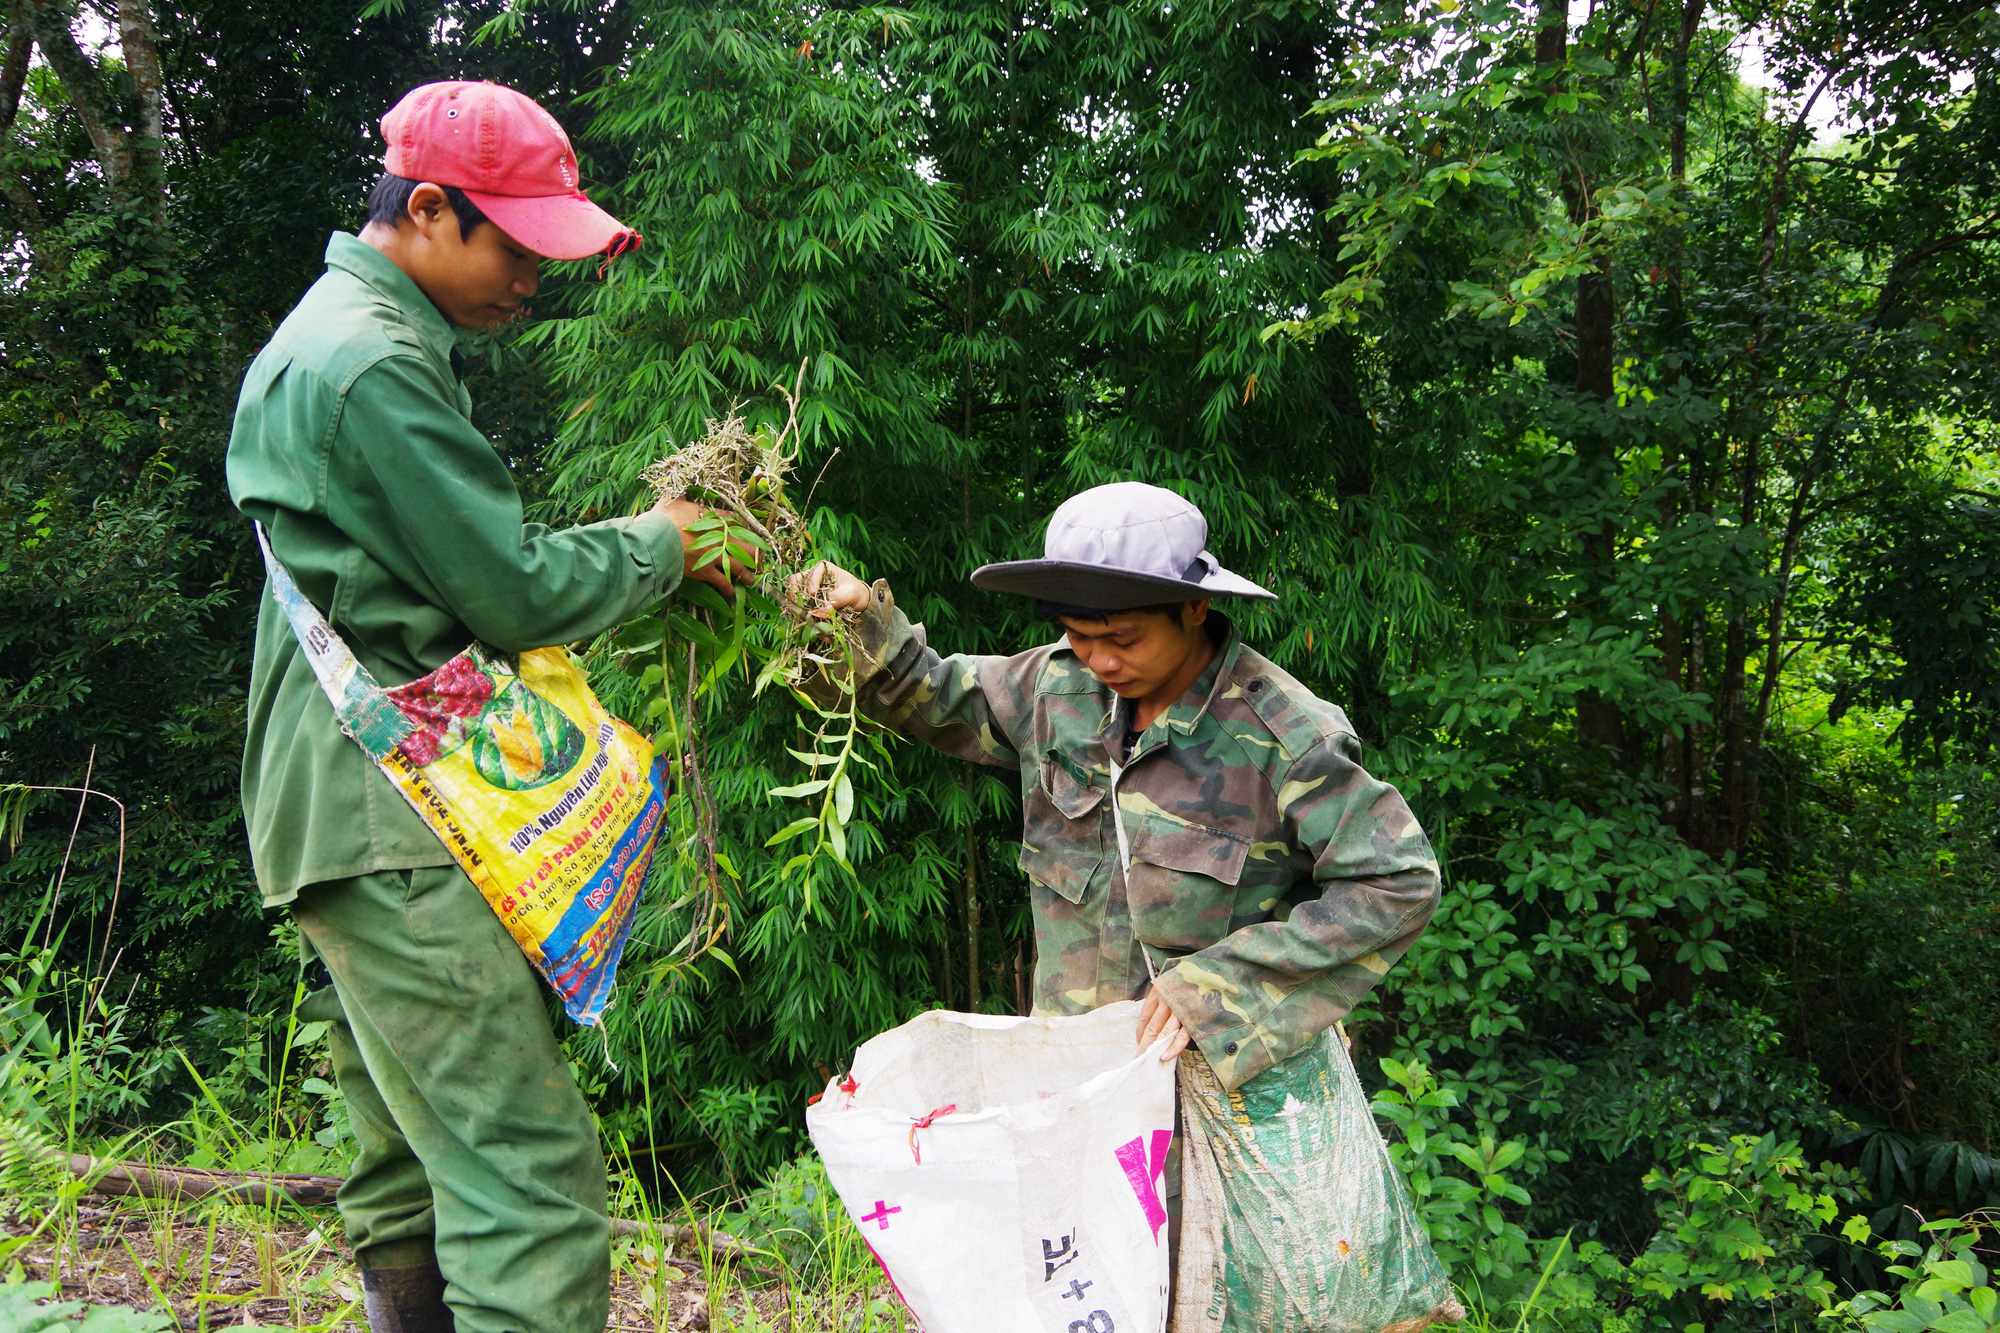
column 389, row 203
column 1057, row 610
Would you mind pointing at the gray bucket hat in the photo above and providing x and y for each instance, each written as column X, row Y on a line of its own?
column 1115, row 547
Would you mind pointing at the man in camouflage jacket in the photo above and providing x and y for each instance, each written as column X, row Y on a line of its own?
column 1233, row 851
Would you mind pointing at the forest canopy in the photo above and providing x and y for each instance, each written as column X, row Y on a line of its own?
column 1609, row 391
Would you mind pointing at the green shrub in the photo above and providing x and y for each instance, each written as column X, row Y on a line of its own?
column 1946, row 1289
column 1731, row 1248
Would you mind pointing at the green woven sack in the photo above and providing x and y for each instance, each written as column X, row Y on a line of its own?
column 1293, row 1218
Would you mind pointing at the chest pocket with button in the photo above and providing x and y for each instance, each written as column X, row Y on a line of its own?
column 1062, row 830
column 1181, row 882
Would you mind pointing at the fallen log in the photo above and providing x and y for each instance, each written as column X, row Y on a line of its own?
column 677, row 1234
column 188, row 1183
column 721, row 1245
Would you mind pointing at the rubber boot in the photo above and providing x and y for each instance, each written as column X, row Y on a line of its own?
column 405, row 1300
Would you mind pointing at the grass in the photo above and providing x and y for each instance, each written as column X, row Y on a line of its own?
column 784, row 1257
column 224, row 1265
column 789, row 1260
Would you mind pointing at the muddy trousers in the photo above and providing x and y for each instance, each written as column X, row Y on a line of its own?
column 474, row 1145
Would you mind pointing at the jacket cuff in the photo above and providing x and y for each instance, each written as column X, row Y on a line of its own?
column 1238, row 1051
column 876, row 635
column 656, row 548
column 1240, row 1054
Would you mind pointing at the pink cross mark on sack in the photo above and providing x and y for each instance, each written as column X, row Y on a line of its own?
column 1144, row 1169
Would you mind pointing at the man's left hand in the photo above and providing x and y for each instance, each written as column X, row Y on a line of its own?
column 843, row 591
column 1156, row 1020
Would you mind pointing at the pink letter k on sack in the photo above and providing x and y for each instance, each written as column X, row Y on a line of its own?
column 1143, row 1169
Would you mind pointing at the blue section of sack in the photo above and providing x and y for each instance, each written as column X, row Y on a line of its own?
column 584, row 981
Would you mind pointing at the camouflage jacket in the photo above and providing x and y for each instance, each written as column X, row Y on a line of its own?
column 1266, row 876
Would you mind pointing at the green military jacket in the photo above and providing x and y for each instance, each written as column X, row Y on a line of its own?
column 354, row 446
column 1259, row 869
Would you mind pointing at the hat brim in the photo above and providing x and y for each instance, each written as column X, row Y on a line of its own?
column 1107, row 589
column 555, row 226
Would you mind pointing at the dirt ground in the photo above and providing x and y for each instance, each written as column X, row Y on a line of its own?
column 213, row 1276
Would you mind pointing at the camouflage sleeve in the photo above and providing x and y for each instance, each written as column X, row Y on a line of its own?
column 1265, row 990
column 974, row 708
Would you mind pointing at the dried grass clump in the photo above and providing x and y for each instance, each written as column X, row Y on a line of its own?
column 743, row 473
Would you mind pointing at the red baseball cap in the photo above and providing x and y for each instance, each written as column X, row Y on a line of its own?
column 510, row 157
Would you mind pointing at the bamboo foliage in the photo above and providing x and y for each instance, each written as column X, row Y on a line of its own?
column 996, row 306
column 1023, row 249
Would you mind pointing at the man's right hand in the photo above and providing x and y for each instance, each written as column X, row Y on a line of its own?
column 843, row 591
column 685, row 514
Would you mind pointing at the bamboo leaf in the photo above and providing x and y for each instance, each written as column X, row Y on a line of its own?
column 699, row 594
column 790, row 831
column 693, row 631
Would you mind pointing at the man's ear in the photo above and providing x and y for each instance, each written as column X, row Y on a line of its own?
column 431, row 211
column 1195, row 613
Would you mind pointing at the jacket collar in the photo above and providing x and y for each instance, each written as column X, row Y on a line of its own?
column 351, row 254
column 1186, row 712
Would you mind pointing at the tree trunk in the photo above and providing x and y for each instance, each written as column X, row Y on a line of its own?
column 1679, row 663
column 1599, row 722
column 1677, row 87
column 1732, row 827
column 1695, row 764
column 130, row 158
column 84, row 87
column 1672, row 749
column 1552, row 32
column 14, row 65
column 137, row 1179
column 1596, row 317
column 14, row 188
column 1738, row 784
column 139, row 42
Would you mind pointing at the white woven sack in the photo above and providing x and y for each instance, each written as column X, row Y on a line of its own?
column 1036, row 1204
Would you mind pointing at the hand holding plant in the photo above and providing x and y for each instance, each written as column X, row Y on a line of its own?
column 751, row 600
column 702, row 560
column 827, row 588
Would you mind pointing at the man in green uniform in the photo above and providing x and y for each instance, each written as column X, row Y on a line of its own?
column 1197, row 829
column 477, row 1198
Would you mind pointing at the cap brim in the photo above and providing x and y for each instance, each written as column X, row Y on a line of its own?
column 556, row 226
column 1103, row 589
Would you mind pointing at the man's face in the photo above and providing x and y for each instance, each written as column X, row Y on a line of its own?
column 477, row 281
column 1136, row 653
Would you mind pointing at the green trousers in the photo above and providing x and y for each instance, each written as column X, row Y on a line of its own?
column 474, row 1144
